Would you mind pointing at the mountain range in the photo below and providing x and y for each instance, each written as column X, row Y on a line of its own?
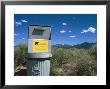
column 84, row 45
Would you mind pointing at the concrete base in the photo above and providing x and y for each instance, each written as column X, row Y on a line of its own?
column 38, row 67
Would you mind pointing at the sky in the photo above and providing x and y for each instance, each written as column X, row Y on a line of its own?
column 65, row 28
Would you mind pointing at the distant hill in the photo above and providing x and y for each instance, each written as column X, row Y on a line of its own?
column 62, row 46
column 84, row 45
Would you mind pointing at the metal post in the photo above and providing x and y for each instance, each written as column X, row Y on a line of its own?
column 39, row 51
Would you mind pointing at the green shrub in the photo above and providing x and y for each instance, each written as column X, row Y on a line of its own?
column 20, row 54
column 65, row 62
column 86, row 68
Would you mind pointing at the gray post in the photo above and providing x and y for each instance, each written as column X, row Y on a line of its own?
column 39, row 51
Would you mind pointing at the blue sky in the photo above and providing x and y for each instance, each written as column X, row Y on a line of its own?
column 66, row 28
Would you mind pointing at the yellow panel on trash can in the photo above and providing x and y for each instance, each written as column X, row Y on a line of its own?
column 40, row 46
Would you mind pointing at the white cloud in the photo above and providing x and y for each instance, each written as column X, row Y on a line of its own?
column 62, row 31
column 24, row 21
column 84, row 31
column 72, row 36
column 18, row 23
column 69, row 31
column 17, row 34
column 64, row 24
column 90, row 29
column 23, row 38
